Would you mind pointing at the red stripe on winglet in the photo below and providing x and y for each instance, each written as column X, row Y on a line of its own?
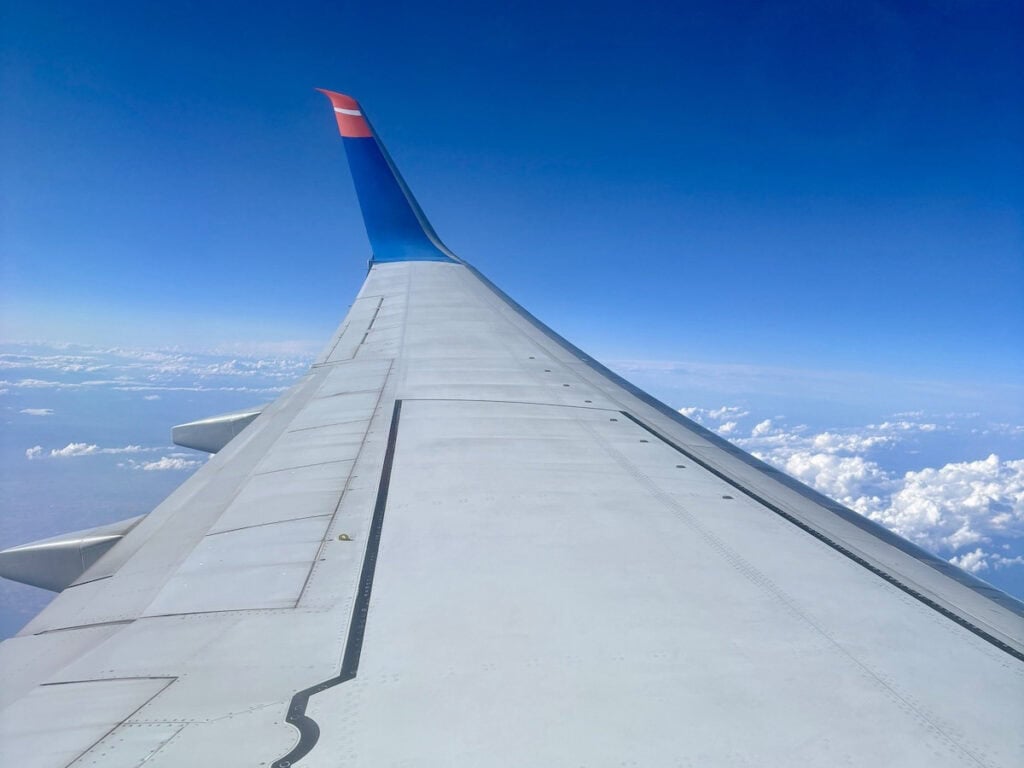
column 349, row 126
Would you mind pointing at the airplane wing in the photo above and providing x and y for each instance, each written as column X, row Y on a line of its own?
column 460, row 540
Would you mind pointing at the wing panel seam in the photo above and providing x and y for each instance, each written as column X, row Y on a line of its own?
column 309, row 730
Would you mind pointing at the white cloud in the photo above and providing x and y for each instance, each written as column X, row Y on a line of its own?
column 1005, row 429
column 128, row 385
column 730, row 412
column 37, row 411
column 47, row 366
column 960, row 510
column 164, row 463
column 978, row 560
column 835, row 442
column 34, row 384
column 728, row 428
column 972, row 562
column 1001, row 561
column 151, row 397
column 903, row 426
column 959, row 505
column 128, row 449
column 850, row 480
column 62, row 363
column 73, row 450
column 780, row 442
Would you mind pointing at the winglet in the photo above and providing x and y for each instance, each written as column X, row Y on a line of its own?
column 351, row 123
column 395, row 224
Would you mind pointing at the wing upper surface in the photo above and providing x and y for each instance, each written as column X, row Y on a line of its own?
column 459, row 540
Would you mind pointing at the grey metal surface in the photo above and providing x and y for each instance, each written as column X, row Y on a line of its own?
column 524, row 563
column 55, row 562
column 213, row 433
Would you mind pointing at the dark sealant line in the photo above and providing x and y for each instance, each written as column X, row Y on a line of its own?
column 963, row 622
column 309, row 731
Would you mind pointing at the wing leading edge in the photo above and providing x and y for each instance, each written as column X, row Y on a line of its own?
column 460, row 540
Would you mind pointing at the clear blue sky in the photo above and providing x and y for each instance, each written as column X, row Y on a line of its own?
column 818, row 185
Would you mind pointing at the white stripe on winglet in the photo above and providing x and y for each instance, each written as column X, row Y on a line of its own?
column 354, row 112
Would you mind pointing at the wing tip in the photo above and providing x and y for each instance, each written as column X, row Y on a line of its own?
column 351, row 122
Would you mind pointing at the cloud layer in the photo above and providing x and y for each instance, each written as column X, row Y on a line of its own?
column 174, row 462
column 971, row 512
column 72, row 450
column 966, row 506
column 42, row 367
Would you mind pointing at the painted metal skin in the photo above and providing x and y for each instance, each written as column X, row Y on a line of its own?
column 213, row 433
column 58, row 561
column 458, row 540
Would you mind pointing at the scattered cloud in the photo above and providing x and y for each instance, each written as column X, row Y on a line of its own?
column 904, row 426
column 73, row 450
column 122, row 385
column 972, row 562
column 973, row 505
column 164, row 463
column 969, row 511
column 835, row 442
column 1004, row 429
column 726, row 412
column 41, row 366
column 978, row 560
column 32, row 384
column 37, row 411
column 62, row 363
column 959, row 505
column 851, row 480
column 151, row 397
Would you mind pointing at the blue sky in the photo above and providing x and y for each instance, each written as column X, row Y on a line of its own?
column 774, row 183
column 811, row 212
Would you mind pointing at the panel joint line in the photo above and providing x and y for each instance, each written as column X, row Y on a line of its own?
column 309, row 731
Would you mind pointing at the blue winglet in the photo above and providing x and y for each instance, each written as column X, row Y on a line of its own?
column 396, row 226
